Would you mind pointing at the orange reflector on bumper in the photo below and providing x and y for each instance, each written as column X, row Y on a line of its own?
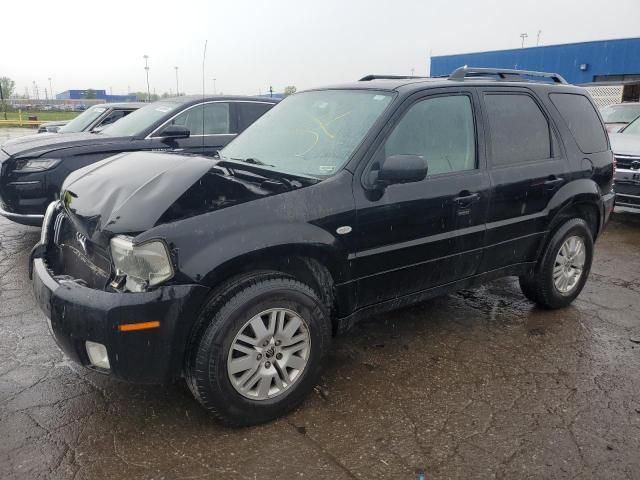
column 130, row 327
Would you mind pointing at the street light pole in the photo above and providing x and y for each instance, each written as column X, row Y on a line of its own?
column 51, row 90
column 146, row 67
column 177, row 89
column 214, row 85
column 523, row 36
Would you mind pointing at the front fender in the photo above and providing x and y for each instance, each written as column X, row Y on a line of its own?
column 267, row 244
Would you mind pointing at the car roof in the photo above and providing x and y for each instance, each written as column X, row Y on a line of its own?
column 625, row 104
column 192, row 99
column 410, row 84
column 120, row 105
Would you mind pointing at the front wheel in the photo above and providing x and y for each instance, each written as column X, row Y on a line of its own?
column 563, row 270
column 260, row 351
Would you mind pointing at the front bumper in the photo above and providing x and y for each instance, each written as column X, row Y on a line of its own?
column 33, row 220
column 627, row 186
column 78, row 314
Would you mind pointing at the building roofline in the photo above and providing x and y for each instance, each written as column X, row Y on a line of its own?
column 536, row 47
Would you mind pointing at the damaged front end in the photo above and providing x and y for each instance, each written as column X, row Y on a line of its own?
column 94, row 314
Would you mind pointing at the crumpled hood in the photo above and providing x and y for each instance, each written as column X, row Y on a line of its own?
column 130, row 191
column 37, row 145
column 625, row 143
column 133, row 192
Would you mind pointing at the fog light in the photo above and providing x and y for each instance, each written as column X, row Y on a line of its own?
column 97, row 354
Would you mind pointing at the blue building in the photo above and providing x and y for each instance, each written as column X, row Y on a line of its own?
column 99, row 95
column 604, row 61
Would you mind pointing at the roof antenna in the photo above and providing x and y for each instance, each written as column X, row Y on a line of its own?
column 204, row 57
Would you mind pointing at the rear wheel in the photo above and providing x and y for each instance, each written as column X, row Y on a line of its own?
column 260, row 350
column 563, row 270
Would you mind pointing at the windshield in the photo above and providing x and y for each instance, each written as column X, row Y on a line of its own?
column 82, row 121
column 137, row 122
column 310, row 133
column 620, row 113
column 633, row 128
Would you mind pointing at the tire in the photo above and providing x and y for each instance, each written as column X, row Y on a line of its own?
column 541, row 287
column 228, row 320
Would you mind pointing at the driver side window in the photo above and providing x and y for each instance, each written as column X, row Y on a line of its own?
column 216, row 119
column 439, row 129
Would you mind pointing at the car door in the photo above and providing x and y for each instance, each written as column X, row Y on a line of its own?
column 211, row 125
column 526, row 167
column 417, row 236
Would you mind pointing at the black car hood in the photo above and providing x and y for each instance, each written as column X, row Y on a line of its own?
column 133, row 192
column 37, row 145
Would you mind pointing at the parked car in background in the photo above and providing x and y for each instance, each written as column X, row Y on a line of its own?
column 93, row 119
column 340, row 202
column 51, row 127
column 618, row 116
column 626, row 149
column 32, row 169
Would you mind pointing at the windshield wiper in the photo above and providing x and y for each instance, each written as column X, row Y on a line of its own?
column 253, row 161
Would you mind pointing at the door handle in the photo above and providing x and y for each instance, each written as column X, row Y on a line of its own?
column 553, row 183
column 466, row 198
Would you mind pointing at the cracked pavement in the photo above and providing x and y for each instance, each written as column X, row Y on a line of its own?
column 476, row 384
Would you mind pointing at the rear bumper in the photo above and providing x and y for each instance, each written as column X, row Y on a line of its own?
column 78, row 314
column 608, row 202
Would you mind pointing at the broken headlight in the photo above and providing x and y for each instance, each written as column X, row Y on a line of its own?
column 143, row 265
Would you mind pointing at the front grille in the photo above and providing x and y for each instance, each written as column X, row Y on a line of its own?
column 72, row 255
column 628, row 162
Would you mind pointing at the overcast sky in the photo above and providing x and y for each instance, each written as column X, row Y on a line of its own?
column 254, row 44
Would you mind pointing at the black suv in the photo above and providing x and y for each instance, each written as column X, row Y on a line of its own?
column 235, row 272
column 33, row 168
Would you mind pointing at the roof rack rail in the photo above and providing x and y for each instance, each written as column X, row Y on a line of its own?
column 503, row 73
column 368, row 78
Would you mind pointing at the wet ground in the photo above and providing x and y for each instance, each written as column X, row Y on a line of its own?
column 477, row 384
column 9, row 133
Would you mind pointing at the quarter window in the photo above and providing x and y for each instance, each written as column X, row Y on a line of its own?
column 519, row 130
column 582, row 120
column 216, row 119
column 441, row 130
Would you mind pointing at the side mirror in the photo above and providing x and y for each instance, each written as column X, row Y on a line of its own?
column 172, row 132
column 402, row 169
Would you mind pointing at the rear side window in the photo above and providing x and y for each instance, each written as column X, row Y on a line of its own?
column 519, row 130
column 582, row 120
column 249, row 112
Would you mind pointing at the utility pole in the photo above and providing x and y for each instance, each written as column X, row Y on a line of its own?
column 4, row 105
column 523, row 36
column 214, row 85
column 146, row 67
column 177, row 88
column 538, row 38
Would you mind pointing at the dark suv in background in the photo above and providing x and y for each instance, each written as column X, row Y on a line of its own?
column 32, row 170
column 92, row 119
column 340, row 202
